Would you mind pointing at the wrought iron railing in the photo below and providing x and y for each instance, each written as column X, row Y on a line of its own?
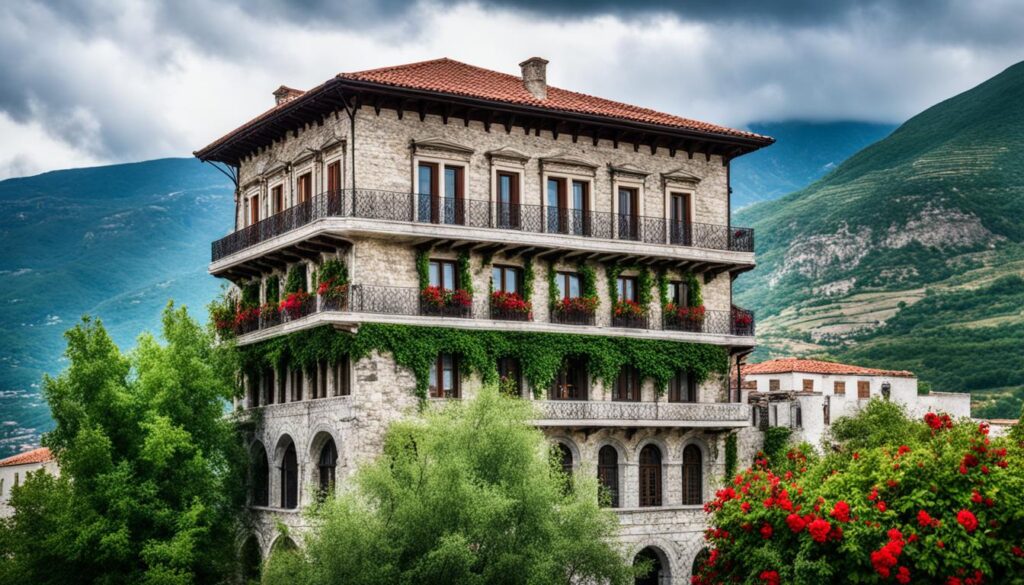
column 500, row 314
column 597, row 410
column 713, row 322
column 563, row 317
column 421, row 208
column 631, row 321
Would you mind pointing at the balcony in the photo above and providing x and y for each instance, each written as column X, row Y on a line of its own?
column 534, row 219
column 365, row 303
column 632, row 414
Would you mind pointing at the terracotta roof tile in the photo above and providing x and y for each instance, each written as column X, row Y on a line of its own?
column 803, row 366
column 454, row 77
column 40, row 455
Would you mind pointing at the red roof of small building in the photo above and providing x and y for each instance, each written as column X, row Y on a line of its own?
column 803, row 366
column 40, row 455
column 457, row 78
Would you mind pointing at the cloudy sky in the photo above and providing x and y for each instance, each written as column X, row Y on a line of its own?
column 90, row 82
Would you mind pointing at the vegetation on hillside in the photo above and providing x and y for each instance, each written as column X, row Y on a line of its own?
column 901, row 501
column 470, row 494
column 151, row 472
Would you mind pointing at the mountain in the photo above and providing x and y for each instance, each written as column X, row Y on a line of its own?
column 909, row 255
column 115, row 242
column 803, row 153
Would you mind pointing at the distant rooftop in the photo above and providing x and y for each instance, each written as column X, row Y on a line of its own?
column 804, row 366
column 40, row 455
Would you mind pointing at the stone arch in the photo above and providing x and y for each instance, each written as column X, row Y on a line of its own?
column 610, row 473
column 259, row 474
column 625, row 454
column 707, row 464
column 574, row 450
column 324, row 458
column 286, row 464
column 651, row 474
column 283, row 543
column 661, row 571
column 667, row 454
column 251, row 559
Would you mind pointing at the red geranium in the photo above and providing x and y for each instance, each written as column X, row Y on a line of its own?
column 507, row 301
column 293, row 304
column 841, row 511
column 819, row 529
column 967, row 519
column 629, row 309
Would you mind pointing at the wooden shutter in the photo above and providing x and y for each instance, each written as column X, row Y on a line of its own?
column 839, row 388
column 808, row 385
column 863, row 389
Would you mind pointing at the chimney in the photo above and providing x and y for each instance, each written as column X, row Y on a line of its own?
column 535, row 77
column 285, row 94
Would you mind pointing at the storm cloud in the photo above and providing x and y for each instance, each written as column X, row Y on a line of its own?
column 87, row 82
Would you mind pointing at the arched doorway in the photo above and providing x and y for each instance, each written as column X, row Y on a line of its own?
column 693, row 476
column 608, row 473
column 260, row 476
column 659, row 570
column 650, row 476
column 326, row 465
column 289, row 478
column 252, row 561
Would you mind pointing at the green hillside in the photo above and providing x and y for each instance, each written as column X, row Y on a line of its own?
column 910, row 253
column 116, row 242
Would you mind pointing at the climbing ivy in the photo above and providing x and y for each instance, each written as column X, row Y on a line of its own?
column 423, row 267
column 250, row 294
column 730, row 456
column 695, row 297
column 273, row 289
column 334, row 270
column 643, row 283
column 588, row 281
column 296, row 280
column 528, row 276
column 540, row 354
column 465, row 272
column 663, row 288
column 552, row 287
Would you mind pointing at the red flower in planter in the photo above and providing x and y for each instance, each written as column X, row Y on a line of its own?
column 293, row 304
column 509, row 302
column 628, row 309
column 967, row 519
column 434, row 295
column 461, row 298
column 577, row 305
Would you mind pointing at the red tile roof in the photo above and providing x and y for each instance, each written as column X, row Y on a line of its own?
column 791, row 365
column 457, row 78
column 40, row 455
column 446, row 76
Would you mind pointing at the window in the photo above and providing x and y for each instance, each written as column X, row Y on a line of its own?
column 571, row 381
column 627, row 386
column 290, row 479
column 326, row 465
column 678, row 293
column 827, row 410
column 679, row 218
column 682, row 388
column 319, row 383
column 277, row 198
column 509, row 378
column 629, row 228
column 434, row 205
column 627, row 288
column 556, row 206
column 16, row 481
column 773, row 385
column 260, row 477
column 444, row 377
column 568, row 284
column 339, row 372
column 304, row 187
column 267, row 383
column 650, row 476
column 863, row 389
column 580, row 205
column 565, row 458
column 808, row 385
column 798, row 417
column 334, row 177
column 254, row 209
column 773, row 419
column 255, row 385
column 508, row 199
column 298, row 381
column 443, row 274
column 608, row 473
column 282, row 389
column 839, row 388
column 693, row 476
column 507, row 279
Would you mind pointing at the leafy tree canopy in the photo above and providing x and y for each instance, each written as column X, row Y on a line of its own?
column 469, row 494
column 150, row 468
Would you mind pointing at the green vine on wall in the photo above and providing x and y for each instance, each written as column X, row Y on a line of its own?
column 731, row 454
column 273, row 290
column 663, row 288
column 540, row 354
column 334, row 271
column 465, row 272
column 695, row 297
column 643, row 283
column 528, row 277
column 250, row 294
column 423, row 267
column 588, row 281
column 552, row 285
column 296, row 280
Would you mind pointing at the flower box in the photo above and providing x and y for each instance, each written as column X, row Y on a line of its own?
column 443, row 302
column 684, row 318
column 296, row 305
column 246, row 320
column 333, row 297
column 510, row 306
column 575, row 311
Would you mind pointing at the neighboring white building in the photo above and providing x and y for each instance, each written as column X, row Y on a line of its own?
column 807, row 395
column 14, row 469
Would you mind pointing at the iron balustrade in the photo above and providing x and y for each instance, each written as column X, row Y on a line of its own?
column 571, row 317
column 501, row 314
column 712, row 322
column 421, row 208
column 631, row 321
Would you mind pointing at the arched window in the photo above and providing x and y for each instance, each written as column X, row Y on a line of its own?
column 327, row 463
column 252, row 561
column 693, row 476
column 565, row 458
column 650, row 476
column 290, row 479
column 608, row 472
column 658, row 571
column 260, row 477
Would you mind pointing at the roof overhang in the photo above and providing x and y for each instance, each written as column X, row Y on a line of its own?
column 344, row 94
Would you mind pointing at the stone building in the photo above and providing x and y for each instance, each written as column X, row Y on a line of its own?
column 439, row 194
column 15, row 468
column 807, row 395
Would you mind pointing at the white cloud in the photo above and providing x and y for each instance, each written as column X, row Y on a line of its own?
column 131, row 80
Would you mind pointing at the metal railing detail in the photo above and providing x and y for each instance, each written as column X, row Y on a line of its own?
column 629, row 411
column 422, row 208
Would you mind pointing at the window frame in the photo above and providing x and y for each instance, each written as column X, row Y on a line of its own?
column 628, row 385
column 608, row 473
column 571, row 381
column 650, row 473
column 436, row 385
column 515, row 372
column 503, row 278
column 441, row 263
column 626, row 288
column 563, row 282
column 863, row 389
column 839, row 387
column 677, row 393
column 693, row 476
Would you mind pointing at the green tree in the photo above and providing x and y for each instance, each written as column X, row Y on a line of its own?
column 150, row 468
column 468, row 494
